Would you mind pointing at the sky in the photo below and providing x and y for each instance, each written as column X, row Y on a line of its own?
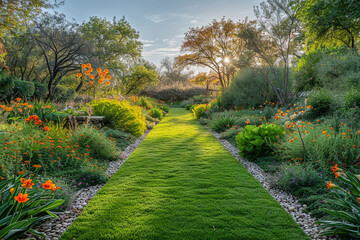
column 161, row 24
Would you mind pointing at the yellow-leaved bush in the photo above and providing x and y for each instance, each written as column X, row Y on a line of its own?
column 120, row 115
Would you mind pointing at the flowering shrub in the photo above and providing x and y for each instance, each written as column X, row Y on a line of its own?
column 200, row 109
column 254, row 141
column 144, row 102
column 121, row 115
column 347, row 218
column 156, row 113
column 23, row 206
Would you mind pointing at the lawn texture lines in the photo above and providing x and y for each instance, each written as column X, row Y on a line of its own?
column 181, row 183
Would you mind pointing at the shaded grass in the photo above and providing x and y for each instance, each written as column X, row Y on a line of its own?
column 180, row 183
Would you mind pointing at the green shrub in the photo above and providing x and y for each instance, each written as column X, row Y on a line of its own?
column 156, row 113
column 64, row 94
column 256, row 92
column 222, row 123
column 23, row 89
column 6, row 86
column 175, row 94
column 321, row 102
column 40, row 90
column 200, row 109
column 91, row 141
column 120, row 115
column 188, row 106
column 144, row 102
column 55, row 117
column 254, row 141
column 292, row 178
column 164, row 108
column 352, row 99
column 122, row 139
column 185, row 102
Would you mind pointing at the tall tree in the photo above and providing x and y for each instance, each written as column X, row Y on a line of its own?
column 60, row 46
column 273, row 42
column 140, row 78
column 205, row 79
column 15, row 14
column 115, row 44
column 172, row 75
column 331, row 23
column 214, row 46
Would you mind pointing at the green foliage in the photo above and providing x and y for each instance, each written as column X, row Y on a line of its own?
column 164, row 108
column 186, row 102
column 200, row 109
column 144, row 102
column 40, row 91
column 352, row 99
column 93, row 142
column 64, row 94
column 334, row 23
column 140, row 78
column 222, row 123
column 254, row 94
column 156, row 113
column 18, row 218
column 293, row 177
column 6, row 86
column 122, row 139
column 230, row 134
column 120, row 115
column 321, row 102
column 188, row 106
column 23, row 89
column 347, row 219
column 254, row 140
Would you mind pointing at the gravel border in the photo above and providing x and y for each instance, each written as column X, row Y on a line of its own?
column 55, row 227
column 286, row 200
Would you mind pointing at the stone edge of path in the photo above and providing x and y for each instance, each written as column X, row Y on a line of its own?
column 54, row 228
column 286, row 200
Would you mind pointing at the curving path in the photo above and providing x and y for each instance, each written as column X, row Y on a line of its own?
column 181, row 183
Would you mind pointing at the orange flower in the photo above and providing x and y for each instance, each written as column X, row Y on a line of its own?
column 324, row 132
column 330, row 185
column 336, row 174
column 107, row 83
column 291, row 141
column 106, row 71
column 87, row 73
column 12, row 190
column 88, row 65
column 91, row 82
column 22, row 198
column 48, row 184
column 79, row 75
column 26, row 183
column 358, row 199
column 92, row 76
column 37, row 166
column 47, row 129
column 18, row 99
column 334, row 168
column 53, row 187
column 101, row 81
column 83, row 65
column 108, row 77
column 90, row 69
column 247, row 121
column 98, row 70
column 22, row 172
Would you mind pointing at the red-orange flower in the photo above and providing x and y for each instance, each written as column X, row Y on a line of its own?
column 92, row 76
column 107, row 83
column 91, row 82
column 88, row 65
column 18, row 99
column 48, row 184
column 79, row 75
column 108, row 77
column 53, row 187
column 98, row 70
column 12, row 190
column 83, row 65
column 47, row 129
column 334, row 168
column 26, row 183
column 22, row 198
column 330, row 185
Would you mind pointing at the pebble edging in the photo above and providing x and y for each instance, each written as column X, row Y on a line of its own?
column 286, row 200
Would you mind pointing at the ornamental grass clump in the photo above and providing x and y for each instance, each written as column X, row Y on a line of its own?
column 23, row 206
column 120, row 115
column 222, row 123
column 346, row 218
column 256, row 141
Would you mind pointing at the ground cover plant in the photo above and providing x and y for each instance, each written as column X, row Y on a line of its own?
column 176, row 187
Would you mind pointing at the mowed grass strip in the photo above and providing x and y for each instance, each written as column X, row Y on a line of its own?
column 181, row 183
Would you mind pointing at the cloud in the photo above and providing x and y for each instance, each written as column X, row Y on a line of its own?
column 194, row 21
column 163, row 51
column 148, row 45
column 156, row 18
column 146, row 41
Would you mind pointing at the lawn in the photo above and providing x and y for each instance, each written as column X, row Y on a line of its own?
column 180, row 183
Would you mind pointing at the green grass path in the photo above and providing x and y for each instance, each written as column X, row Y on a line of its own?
column 181, row 183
